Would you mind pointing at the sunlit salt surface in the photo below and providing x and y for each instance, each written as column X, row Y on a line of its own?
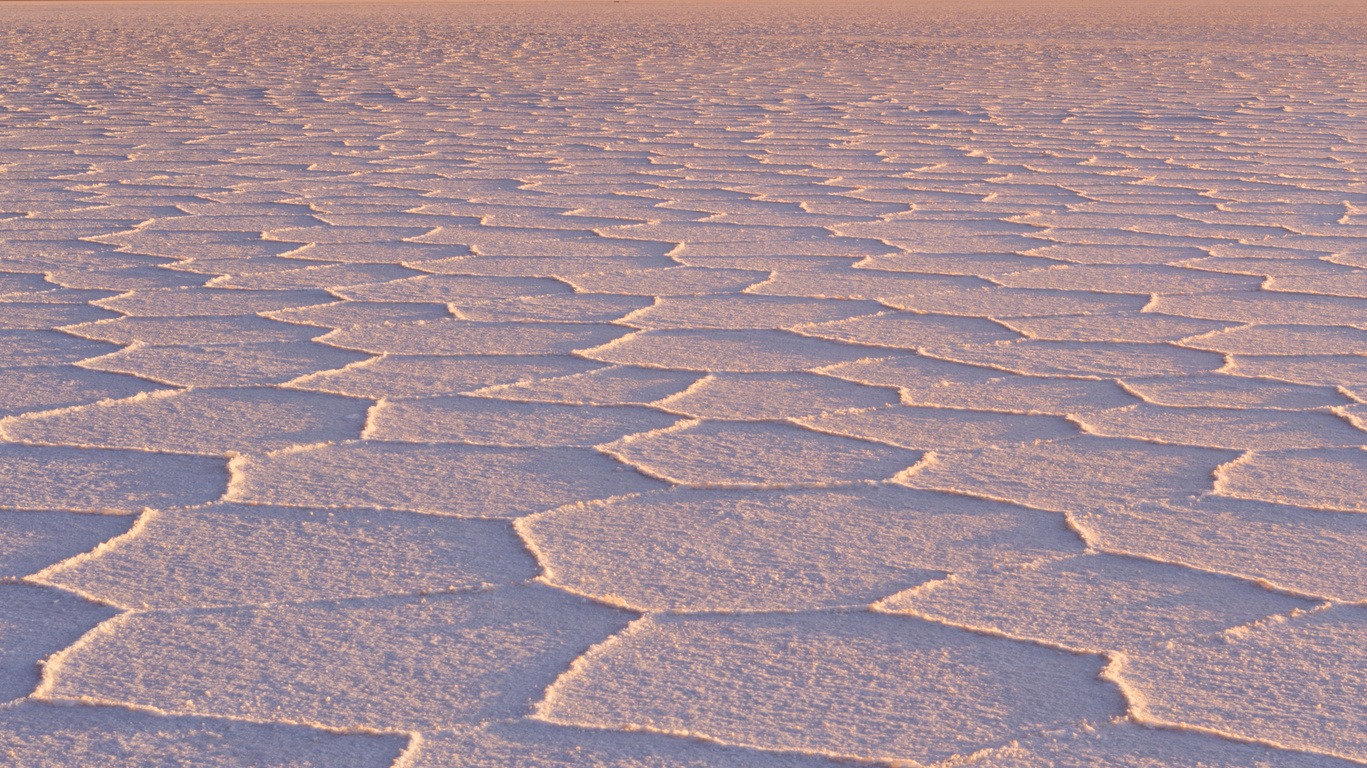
column 647, row 386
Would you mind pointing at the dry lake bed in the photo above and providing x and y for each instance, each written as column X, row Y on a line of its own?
column 654, row 386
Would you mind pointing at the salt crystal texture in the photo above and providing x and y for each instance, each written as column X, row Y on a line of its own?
column 655, row 385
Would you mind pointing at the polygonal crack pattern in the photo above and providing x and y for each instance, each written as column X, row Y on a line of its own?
column 588, row 384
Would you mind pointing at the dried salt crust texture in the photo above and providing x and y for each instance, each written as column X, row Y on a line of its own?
column 574, row 385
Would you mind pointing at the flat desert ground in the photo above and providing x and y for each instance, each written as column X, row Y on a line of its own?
column 654, row 386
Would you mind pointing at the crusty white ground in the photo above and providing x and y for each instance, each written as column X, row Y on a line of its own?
column 598, row 385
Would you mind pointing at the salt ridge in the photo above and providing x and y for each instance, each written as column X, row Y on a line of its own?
column 579, row 385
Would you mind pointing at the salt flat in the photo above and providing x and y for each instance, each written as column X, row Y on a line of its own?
column 620, row 384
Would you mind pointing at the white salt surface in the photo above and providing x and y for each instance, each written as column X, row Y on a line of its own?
column 632, row 385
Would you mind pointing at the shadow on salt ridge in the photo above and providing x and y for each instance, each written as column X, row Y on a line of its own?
column 758, row 455
column 1129, row 279
column 1084, row 358
column 673, row 281
column 36, row 622
column 766, row 257
column 568, row 308
column 98, row 480
column 1356, row 415
column 227, row 218
column 941, row 383
column 224, row 365
column 1140, row 327
column 1329, row 279
column 862, row 284
column 744, row 312
column 604, row 385
column 427, row 221
column 329, row 276
column 749, row 351
column 948, row 429
column 536, row 744
column 1309, row 552
column 460, row 480
column 139, row 278
column 485, row 421
column 1279, row 264
column 217, row 265
column 210, row 302
column 964, row 235
column 999, row 302
column 28, row 287
column 841, row 684
column 795, row 550
column 1075, row 475
column 466, row 337
column 345, row 314
column 193, row 331
column 1113, row 603
column 345, row 234
column 1301, row 667
column 523, row 216
column 387, row 664
column 449, row 288
column 990, row 265
column 1314, row 370
column 532, row 241
column 236, row 555
column 78, row 736
column 42, row 388
column 1341, row 240
column 1119, row 254
column 1327, row 479
column 1234, row 428
column 761, row 396
column 714, row 232
column 541, row 266
column 403, row 376
column 29, row 349
column 1265, row 308
column 33, row 316
column 30, row 541
column 1294, row 340
column 203, row 421
column 1126, row 745
column 203, row 252
column 1222, row 390
column 393, row 252
column 1107, row 235
column 905, row 330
